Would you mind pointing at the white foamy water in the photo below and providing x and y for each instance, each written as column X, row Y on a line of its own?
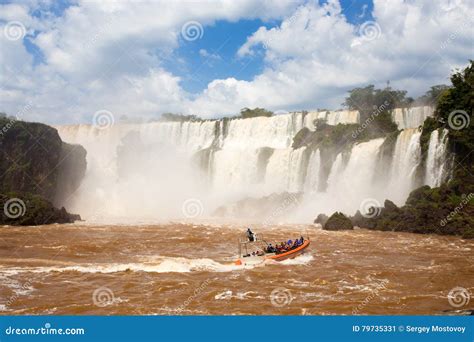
column 436, row 161
column 407, row 156
column 148, row 171
column 411, row 117
column 160, row 265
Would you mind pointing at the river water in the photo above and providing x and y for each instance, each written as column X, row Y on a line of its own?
column 183, row 268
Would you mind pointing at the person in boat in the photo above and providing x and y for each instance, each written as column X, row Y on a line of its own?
column 269, row 248
column 250, row 235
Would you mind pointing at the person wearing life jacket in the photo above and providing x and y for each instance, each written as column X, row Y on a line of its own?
column 250, row 235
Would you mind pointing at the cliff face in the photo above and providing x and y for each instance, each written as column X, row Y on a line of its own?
column 30, row 155
column 38, row 168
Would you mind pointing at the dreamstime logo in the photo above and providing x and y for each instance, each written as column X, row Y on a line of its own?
column 370, row 208
column 458, row 297
column 192, row 208
column 14, row 30
column 464, row 200
column 278, row 121
column 103, row 296
column 103, row 119
column 192, row 30
column 370, row 30
column 458, row 119
column 281, row 297
column 14, row 208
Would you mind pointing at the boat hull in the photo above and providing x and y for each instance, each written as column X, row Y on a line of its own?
column 290, row 254
column 278, row 257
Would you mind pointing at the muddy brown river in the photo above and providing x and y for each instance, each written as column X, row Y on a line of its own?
column 187, row 269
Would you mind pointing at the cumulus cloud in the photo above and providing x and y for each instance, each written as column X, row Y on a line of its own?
column 112, row 55
column 315, row 55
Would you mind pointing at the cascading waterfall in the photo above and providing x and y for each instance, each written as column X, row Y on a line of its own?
column 331, row 117
column 150, row 170
column 406, row 157
column 313, row 172
column 411, row 117
column 436, row 160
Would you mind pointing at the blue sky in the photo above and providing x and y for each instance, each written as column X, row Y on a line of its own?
column 66, row 60
column 222, row 41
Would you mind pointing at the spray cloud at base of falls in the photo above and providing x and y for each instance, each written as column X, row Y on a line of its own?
column 149, row 170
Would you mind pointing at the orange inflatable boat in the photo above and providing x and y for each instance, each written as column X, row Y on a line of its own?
column 247, row 259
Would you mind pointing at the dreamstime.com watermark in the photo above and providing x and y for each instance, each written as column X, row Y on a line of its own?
column 197, row 292
column 458, row 297
column 291, row 201
column 14, row 208
column 46, row 330
column 13, row 119
column 370, row 208
column 383, row 283
column 25, row 287
column 192, row 30
column 192, row 208
column 281, row 297
column 465, row 200
column 103, row 296
column 369, row 120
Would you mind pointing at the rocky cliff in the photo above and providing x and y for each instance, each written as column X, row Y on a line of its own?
column 37, row 169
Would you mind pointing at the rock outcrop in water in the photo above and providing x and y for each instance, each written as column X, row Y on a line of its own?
column 37, row 169
column 26, row 209
column 338, row 221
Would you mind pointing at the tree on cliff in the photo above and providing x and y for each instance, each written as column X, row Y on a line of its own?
column 246, row 113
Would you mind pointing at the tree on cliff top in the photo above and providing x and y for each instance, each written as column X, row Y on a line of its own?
column 252, row 113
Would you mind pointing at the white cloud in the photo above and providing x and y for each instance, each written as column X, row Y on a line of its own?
column 110, row 55
column 315, row 54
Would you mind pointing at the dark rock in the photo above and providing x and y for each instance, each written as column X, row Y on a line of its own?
column 71, row 171
column 37, row 169
column 338, row 221
column 34, row 160
column 25, row 209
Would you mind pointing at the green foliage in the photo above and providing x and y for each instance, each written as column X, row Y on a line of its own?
column 448, row 209
column 246, row 113
column 431, row 96
column 460, row 97
column 32, row 210
column 179, row 117
column 367, row 98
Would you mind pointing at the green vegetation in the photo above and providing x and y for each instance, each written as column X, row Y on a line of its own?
column 448, row 209
column 179, row 117
column 31, row 210
column 39, row 168
column 246, row 113
column 431, row 97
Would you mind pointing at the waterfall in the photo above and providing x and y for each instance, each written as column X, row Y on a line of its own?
column 331, row 117
column 353, row 182
column 284, row 171
column 436, row 161
column 411, row 117
column 149, row 170
column 276, row 131
column 406, row 157
column 313, row 172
